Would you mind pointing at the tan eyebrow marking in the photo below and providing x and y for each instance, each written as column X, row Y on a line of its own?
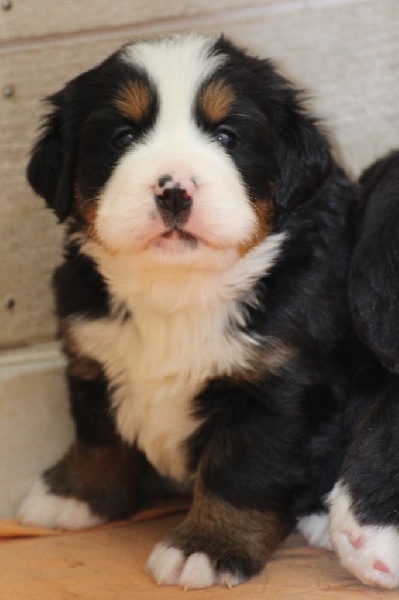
column 216, row 100
column 134, row 100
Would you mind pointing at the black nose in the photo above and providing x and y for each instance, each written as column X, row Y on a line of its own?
column 174, row 199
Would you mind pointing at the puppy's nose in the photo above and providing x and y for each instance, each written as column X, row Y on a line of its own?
column 174, row 195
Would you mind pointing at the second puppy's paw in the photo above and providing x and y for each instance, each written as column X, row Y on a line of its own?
column 370, row 552
column 316, row 530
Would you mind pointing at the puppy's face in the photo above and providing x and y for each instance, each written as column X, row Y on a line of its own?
column 172, row 157
column 172, row 148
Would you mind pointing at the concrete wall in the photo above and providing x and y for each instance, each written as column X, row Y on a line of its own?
column 344, row 52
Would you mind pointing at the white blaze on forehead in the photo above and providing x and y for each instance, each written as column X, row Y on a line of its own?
column 177, row 66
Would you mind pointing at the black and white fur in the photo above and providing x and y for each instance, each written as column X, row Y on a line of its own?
column 365, row 501
column 202, row 300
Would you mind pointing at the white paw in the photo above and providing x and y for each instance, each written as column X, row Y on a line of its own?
column 44, row 509
column 370, row 552
column 316, row 530
column 169, row 566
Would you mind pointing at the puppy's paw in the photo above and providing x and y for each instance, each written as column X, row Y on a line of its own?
column 316, row 530
column 370, row 552
column 44, row 509
column 170, row 566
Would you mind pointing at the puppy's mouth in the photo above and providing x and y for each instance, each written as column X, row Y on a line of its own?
column 175, row 234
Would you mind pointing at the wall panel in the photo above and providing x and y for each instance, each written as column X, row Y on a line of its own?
column 37, row 18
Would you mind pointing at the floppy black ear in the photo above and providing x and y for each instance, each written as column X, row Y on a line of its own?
column 374, row 271
column 52, row 164
column 301, row 151
column 302, row 155
column 50, row 169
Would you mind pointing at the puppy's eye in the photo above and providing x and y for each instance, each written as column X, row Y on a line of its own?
column 226, row 137
column 122, row 138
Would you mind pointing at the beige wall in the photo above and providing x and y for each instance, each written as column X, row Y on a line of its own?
column 345, row 52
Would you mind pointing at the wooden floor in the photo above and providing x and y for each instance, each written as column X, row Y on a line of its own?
column 107, row 564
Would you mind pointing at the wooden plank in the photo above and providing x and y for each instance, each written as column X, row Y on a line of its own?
column 108, row 563
column 37, row 18
column 353, row 79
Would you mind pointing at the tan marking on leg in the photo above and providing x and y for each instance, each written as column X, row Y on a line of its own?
column 216, row 100
column 222, row 530
column 104, row 477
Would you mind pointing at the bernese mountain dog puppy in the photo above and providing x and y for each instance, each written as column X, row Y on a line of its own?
column 364, row 504
column 202, row 301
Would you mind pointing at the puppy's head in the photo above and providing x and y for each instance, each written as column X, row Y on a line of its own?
column 178, row 145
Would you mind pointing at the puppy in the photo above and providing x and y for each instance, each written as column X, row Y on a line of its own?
column 202, row 300
column 365, row 500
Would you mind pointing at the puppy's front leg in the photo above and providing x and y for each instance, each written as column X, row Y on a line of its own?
column 217, row 543
column 97, row 480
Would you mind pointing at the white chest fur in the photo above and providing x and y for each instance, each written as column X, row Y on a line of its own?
column 159, row 360
column 159, row 363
